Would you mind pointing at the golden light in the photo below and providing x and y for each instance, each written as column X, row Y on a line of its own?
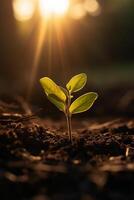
column 77, row 11
column 23, row 9
column 53, row 7
column 92, row 6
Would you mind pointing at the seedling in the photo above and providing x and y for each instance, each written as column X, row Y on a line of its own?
column 62, row 97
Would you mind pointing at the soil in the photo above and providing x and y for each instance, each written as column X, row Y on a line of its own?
column 37, row 162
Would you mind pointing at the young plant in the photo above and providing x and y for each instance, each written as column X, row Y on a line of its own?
column 61, row 97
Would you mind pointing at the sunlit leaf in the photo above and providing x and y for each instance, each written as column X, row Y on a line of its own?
column 59, row 104
column 77, row 83
column 83, row 103
column 51, row 88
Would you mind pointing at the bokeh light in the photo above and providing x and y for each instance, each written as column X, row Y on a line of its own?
column 92, row 7
column 77, row 11
column 53, row 7
column 23, row 9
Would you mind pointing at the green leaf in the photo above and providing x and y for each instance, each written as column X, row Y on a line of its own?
column 51, row 88
column 59, row 104
column 83, row 103
column 77, row 83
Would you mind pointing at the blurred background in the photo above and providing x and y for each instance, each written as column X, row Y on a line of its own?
column 60, row 38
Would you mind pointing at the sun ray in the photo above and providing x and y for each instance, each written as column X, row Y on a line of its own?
column 46, row 31
column 61, row 46
column 38, row 50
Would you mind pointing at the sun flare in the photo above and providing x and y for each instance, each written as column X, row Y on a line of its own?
column 53, row 7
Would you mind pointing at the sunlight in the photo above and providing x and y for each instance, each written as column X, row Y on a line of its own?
column 41, row 36
column 23, row 9
column 53, row 7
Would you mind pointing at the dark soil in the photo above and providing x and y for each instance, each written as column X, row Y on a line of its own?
column 37, row 162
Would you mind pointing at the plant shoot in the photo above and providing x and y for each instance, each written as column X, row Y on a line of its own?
column 62, row 97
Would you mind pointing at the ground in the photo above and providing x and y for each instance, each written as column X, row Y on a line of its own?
column 37, row 162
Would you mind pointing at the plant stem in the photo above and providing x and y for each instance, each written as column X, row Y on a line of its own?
column 69, row 127
column 68, row 117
